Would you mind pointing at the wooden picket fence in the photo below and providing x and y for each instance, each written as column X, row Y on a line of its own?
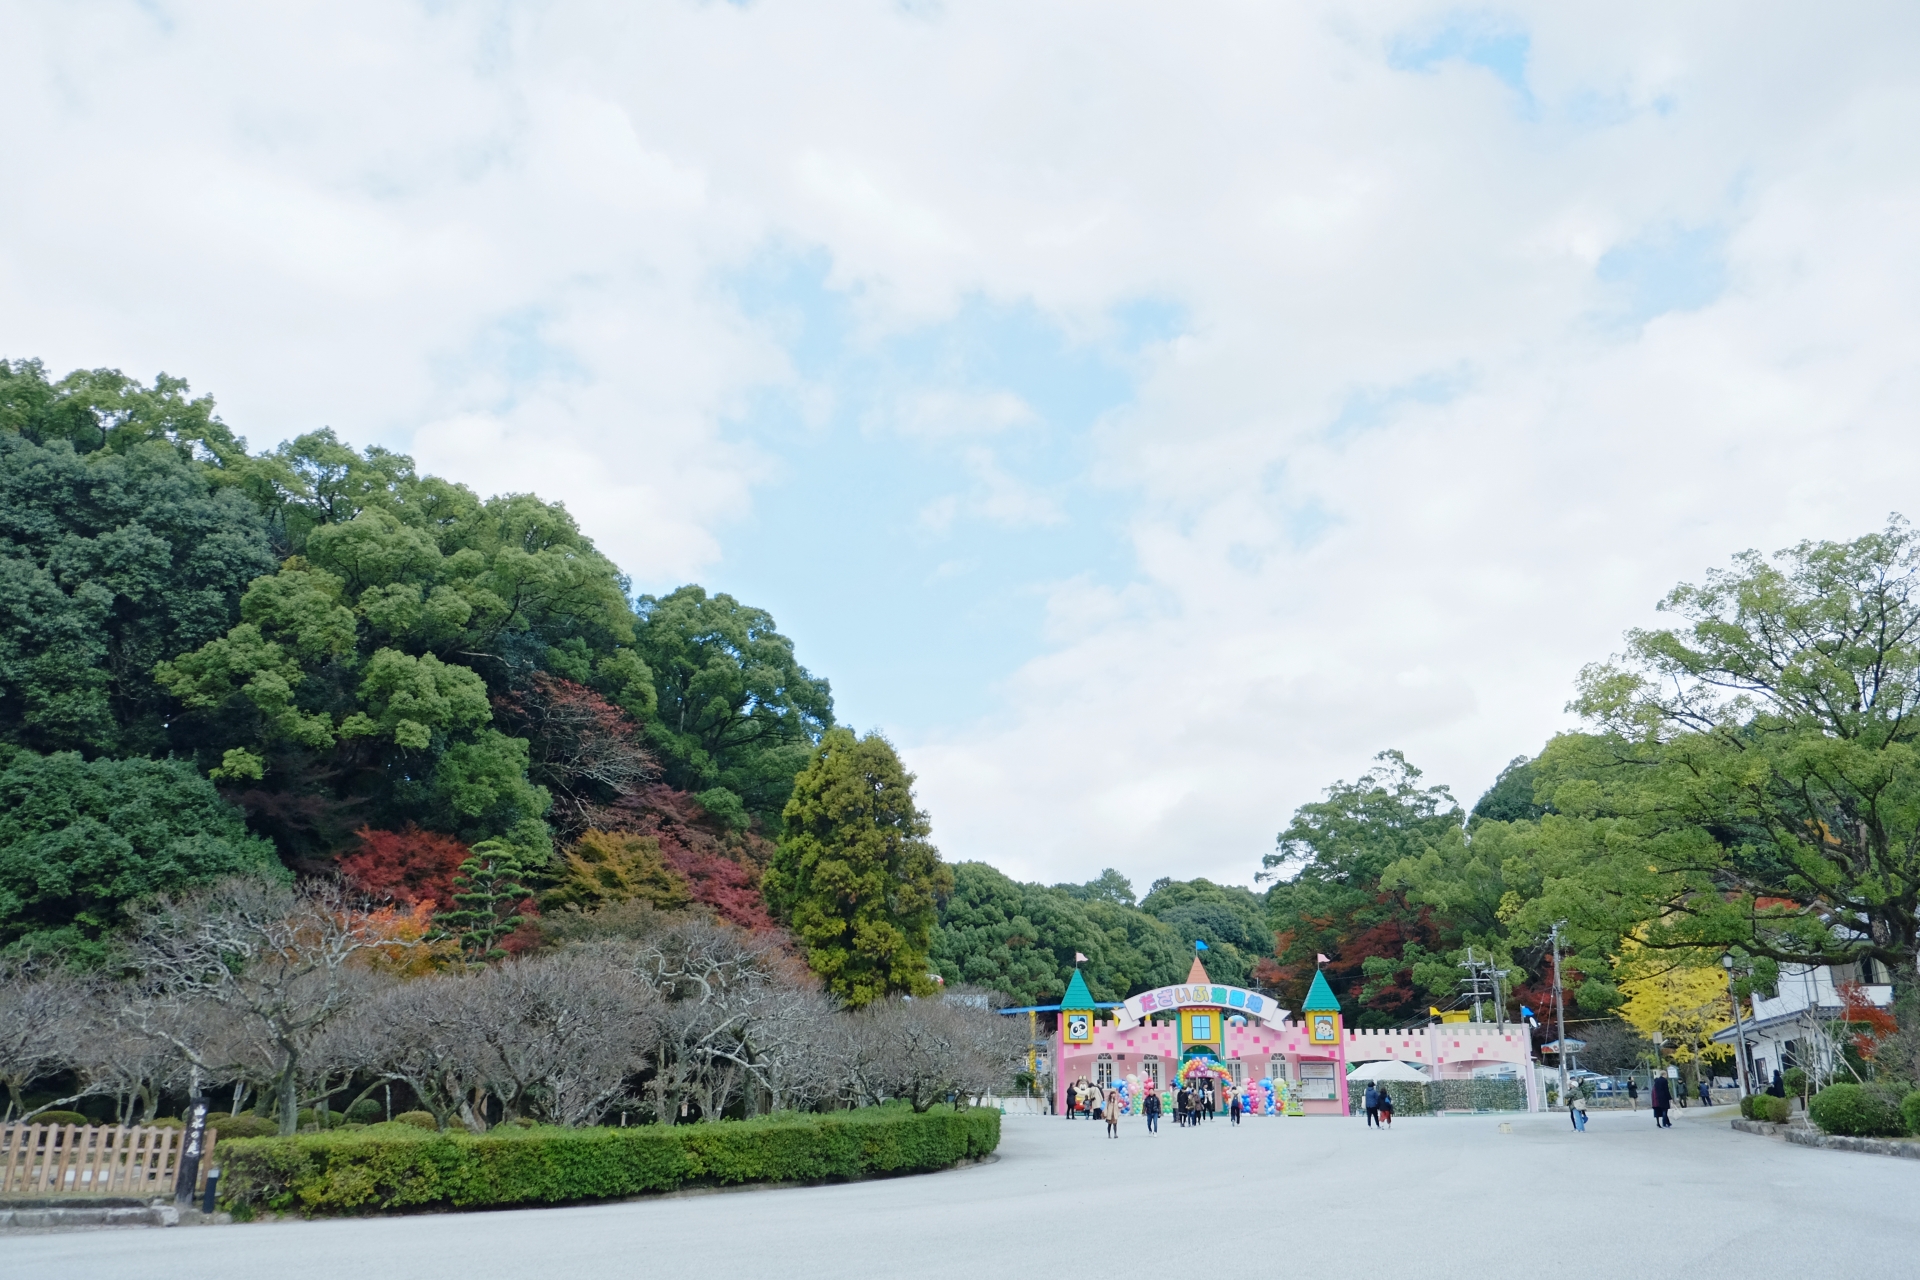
column 93, row 1160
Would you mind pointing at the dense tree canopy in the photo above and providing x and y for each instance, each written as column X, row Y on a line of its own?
column 371, row 656
column 1329, row 898
column 82, row 839
column 1755, row 778
column 110, row 561
column 1020, row 939
column 365, row 658
column 736, row 714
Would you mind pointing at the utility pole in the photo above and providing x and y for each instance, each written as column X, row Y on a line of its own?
column 1559, row 1011
column 1739, row 1029
column 1473, row 980
column 1499, row 1004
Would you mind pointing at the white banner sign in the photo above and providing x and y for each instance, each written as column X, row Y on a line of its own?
column 1257, row 1007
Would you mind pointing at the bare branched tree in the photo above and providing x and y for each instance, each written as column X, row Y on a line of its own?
column 282, row 964
column 927, row 1051
column 714, row 984
column 42, row 1010
column 420, row 1033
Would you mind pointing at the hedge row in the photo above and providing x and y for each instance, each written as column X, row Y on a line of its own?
column 387, row 1167
column 1866, row 1111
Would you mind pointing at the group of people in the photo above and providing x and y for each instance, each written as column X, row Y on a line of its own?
column 1379, row 1106
column 1662, row 1096
column 1191, row 1104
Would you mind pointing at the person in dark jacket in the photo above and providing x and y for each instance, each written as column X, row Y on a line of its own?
column 1662, row 1102
column 1386, row 1108
column 1371, row 1103
column 1152, row 1109
column 1706, row 1094
column 1633, row 1092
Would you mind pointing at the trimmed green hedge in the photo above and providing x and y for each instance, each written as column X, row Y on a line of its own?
column 388, row 1167
column 1856, row 1110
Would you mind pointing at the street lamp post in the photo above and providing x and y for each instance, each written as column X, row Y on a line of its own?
column 1559, row 1013
column 1739, row 1029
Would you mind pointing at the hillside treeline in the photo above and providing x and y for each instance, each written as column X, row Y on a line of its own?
column 314, row 664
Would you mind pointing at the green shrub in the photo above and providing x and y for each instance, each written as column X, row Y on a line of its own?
column 377, row 1169
column 244, row 1125
column 418, row 1119
column 398, row 1128
column 1795, row 1082
column 366, row 1111
column 1910, row 1112
column 61, row 1117
column 1746, row 1107
column 1773, row 1110
column 1855, row 1110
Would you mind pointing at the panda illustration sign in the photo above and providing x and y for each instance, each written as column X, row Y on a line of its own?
column 1079, row 1028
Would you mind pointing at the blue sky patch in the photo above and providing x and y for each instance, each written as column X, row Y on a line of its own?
column 930, row 485
column 1666, row 269
column 1496, row 42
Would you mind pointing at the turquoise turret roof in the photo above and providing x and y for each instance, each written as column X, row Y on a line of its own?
column 1320, row 996
column 1077, row 997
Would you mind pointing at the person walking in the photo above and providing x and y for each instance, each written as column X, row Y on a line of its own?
column 1706, row 1093
column 1113, row 1113
column 1180, row 1107
column 1386, row 1108
column 1633, row 1092
column 1233, row 1105
column 1371, row 1103
column 1579, row 1113
column 1213, row 1101
column 1152, row 1109
column 1661, row 1101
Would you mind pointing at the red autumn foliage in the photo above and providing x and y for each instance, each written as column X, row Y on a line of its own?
column 722, row 868
column 1383, row 930
column 584, row 750
column 1871, row 1024
column 410, row 867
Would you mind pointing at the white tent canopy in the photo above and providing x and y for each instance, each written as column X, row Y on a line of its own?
column 1389, row 1070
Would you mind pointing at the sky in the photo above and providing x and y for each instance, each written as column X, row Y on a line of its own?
column 1142, row 413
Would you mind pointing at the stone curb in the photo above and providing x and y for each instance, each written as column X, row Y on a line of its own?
column 1801, row 1136
column 44, row 1216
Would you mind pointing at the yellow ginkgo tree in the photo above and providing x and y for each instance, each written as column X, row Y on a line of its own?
column 1677, row 1005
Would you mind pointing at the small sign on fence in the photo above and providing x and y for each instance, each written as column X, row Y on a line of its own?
column 191, row 1152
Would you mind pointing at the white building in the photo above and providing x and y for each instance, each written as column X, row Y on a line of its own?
column 1791, row 1028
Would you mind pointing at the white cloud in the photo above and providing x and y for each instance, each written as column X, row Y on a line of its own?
column 502, row 235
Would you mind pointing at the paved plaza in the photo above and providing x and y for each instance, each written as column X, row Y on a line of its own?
column 1434, row 1199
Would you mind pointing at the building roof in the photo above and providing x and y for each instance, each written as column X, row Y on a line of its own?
column 1197, row 976
column 1077, row 997
column 1320, row 996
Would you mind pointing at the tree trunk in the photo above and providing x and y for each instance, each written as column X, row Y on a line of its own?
column 288, row 1097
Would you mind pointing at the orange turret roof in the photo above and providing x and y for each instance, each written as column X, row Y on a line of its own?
column 1198, row 974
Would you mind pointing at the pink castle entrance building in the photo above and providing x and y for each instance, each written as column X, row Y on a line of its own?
column 1148, row 1040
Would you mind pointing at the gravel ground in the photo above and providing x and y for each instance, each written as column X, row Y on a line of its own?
column 1434, row 1198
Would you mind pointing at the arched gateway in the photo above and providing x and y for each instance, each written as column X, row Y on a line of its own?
column 1297, row 1065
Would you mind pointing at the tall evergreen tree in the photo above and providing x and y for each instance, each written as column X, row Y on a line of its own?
column 855, row 876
